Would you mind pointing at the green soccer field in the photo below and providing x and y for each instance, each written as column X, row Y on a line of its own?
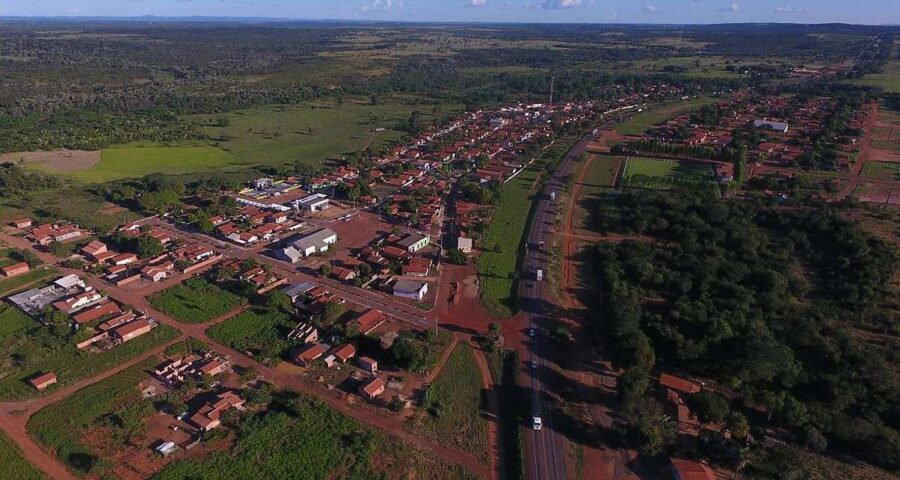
column 664, row 174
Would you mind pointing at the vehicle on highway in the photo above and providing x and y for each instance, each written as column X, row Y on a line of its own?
column 539, row 275
column 533, row 365
column 553, row 196
column 536, row 423
column 530, row 332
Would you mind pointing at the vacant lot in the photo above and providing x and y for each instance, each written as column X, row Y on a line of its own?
column 664, row 174
column 598, row 180
column 13, row 465
column 139, row 160
column 301, row 438
column 882, row 170
column 453, row 402
column 195, row 301
column 310, row 133
column 30, row 348
column 639, row 124
column 262, row 331
column 61, row 425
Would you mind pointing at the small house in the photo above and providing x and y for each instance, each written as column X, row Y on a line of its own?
column 372, row 388
column 411, row 289
column 368, row 364
column 15, row 269
column 43, row 381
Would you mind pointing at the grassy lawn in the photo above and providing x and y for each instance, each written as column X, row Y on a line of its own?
column 597, row 182
column 664, row 174
column 60, row 425
column 73, row 202
column 31, row 349
column 453, row 401
column 882, row 170
column 13, row 465
column 507, row 226
column 639, row 123
column 195, row 301
column 139, row 160
column 12, row 284
column 887, row 80
column 260, row 330
column 311, row 133
column 301, row 438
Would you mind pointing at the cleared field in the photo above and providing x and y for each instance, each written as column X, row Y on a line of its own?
column 61, row 425
column 260, row 330
column 301, row 438
column 195, row 301
column 882, row 170
column 138, row 160
column 13, row 464
column 639, row 123
column 13, row 321
column 886, row 80
column 453, row 401
column 310, row 133
column 82, row 205
column 33, row 349
column 664, row 174
column 598, row 180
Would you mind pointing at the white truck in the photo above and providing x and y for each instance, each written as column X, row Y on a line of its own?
column 536, row 423
column 553, row 196
column 539, row 275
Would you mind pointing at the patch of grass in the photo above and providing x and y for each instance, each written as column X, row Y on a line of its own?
column 641, row 122
column 882, row 170
column 597, row 182
column 886, row 81
column 60, row 425
column 664, row 174
column 13, row 320
column 72, row 202
column 35, row 350
column 301, row 438
column 13, row 464
column 311, row 133
column 453, row 401
column 195, row 301
column 12, row 284
column 260, row 330
column 138, row 160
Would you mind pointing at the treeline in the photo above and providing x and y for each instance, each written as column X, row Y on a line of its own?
column 15, row 180
column 761, row 299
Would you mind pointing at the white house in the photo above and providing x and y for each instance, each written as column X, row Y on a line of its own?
column 309, row 243
column 410, row 289
column 313, row 203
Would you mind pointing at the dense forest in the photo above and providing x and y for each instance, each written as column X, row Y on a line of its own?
column 765, row 301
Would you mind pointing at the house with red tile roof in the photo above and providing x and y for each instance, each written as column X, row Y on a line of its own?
column 15, row 269
column 43, row 381
column 678, row 384
column 368, row 321
column 691, row 470
column 310, row 353
column 209, row 415
column 89, row 315
column 372, row 388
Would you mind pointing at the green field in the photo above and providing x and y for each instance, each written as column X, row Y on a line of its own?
column 33, row 349
column 310, row 133
column 139, row 160
column 13, row 321
column 13, row 464
column 195, row 301
column 301, row 438
column 10, row 285
column 60, row 425
column 260, row 330
column 882, row 170
column 664, row 174
column 641, row 122
column 886, row 80
column 597, row 182
column 453, row 401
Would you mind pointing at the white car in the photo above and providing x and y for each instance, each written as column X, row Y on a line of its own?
column 536, row 423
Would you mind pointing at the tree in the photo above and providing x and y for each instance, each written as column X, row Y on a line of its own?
column 330, row 312
column 709, row 407
column 149, row 247
column 494, row 329
column 408, row 353
column 738, row 425
column 650, row 428
column 632, row 384
column 60, row 249
column 325, row 269
column 278, row 300
column 456, row 257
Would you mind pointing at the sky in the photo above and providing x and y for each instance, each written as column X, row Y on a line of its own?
column 545, row 11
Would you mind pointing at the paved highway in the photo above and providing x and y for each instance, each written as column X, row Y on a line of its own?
column 545, row 449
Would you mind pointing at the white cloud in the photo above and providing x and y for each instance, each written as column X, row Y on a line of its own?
column 731, row 8
column 649, row 9
column 73, row 11
column 383, row 5
column 556, row 4
column 790, row 9
column 477, row 3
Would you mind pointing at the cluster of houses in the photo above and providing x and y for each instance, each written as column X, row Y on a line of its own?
column 87, row 309
column 125, row 268
column 256, row 223
column 47, row 233
column 788, row 124
column 258, row 275
column 675, row 390
column 174, row 372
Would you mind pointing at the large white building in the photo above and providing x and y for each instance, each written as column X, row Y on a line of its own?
column 313, row 203
column 309, row 243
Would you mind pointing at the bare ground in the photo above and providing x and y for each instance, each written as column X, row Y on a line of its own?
column 59, row 160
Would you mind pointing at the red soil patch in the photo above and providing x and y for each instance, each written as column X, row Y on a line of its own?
column 59, row 160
